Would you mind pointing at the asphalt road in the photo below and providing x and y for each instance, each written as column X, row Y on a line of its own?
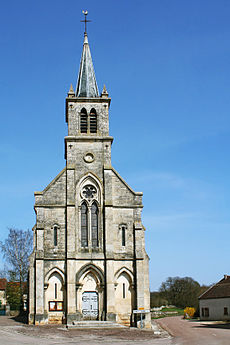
column 186, row 332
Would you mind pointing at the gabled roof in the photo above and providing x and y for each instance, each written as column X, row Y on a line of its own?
column 219, row 290
column 3, row 283
column 86, row 85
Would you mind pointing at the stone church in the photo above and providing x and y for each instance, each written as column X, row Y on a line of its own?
column 89, row 260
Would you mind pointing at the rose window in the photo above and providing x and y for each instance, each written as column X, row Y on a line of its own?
column 89, row 192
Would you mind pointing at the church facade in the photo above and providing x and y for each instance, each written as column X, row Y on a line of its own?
column 89, row 260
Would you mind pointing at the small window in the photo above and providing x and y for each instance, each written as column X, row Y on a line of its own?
column 93, row 121
column 225, row 311
column 83, row 121
column 123, row 290
column 55, row 290
column 205, row 312
column 55, row 236
column 123, row 229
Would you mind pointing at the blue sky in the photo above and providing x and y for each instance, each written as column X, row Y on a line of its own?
column 166, row 66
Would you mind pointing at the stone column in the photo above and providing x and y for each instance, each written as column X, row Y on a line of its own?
column 111, row 315
column 71, row 241
column 71, row 287
column 40, row 317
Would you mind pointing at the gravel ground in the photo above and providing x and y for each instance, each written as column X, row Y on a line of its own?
column 186, row 332
column 13, row 332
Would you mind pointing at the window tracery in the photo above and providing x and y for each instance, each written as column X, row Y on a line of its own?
column 90, row 212
column 89, row 192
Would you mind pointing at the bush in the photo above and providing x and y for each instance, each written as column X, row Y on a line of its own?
column 189, row 312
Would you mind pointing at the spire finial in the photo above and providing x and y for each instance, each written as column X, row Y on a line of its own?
column 104, row 93
column 71, row 92
column 85, row 20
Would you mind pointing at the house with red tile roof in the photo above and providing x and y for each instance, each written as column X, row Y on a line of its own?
column 214, row 303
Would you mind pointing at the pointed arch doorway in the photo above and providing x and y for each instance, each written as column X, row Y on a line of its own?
column 90, row 292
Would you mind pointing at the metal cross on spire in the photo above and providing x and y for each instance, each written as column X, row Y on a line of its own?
column 85, row 20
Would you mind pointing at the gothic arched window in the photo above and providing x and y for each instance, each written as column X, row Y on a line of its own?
column 55, row 235
column 84, row 225
column 94, row 224
column 83, row 121
column 123, row 231
column 93, row 121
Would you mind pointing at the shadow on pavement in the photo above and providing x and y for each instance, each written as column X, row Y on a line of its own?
column 225, row 325
column 21, row 318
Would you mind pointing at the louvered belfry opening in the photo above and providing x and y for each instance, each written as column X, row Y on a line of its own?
column 84, row 225
column 94, row 224
column 83, row 121
column 93, row 121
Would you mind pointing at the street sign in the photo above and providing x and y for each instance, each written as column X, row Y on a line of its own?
column 141, row 311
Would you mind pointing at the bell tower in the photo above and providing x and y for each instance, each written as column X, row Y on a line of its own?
column 87, row 154
column 87, row 115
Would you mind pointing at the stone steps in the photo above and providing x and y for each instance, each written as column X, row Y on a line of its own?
column 95, row 324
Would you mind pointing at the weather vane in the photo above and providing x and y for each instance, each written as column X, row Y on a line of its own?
column 85, row 20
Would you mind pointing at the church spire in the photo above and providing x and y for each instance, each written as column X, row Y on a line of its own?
column 86, row 84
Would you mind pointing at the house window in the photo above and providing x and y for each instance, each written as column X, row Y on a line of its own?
column 55, row 236
column 205, row 312
column 83, row 121
column 94, row 224
column 225, row 310
column 93, row 121
column 84, row 225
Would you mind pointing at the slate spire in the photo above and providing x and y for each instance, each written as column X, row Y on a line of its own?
column 86, row 84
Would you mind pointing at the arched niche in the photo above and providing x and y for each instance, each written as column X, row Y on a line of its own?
column 54, row 294
column 124, row 293
column 90, row 291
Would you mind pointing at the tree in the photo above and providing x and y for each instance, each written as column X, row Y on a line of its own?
column 157, row 300
column 181, row 292
column 16, row 250
column 13, row 295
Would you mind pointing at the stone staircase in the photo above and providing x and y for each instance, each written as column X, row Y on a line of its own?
column 94, row 324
